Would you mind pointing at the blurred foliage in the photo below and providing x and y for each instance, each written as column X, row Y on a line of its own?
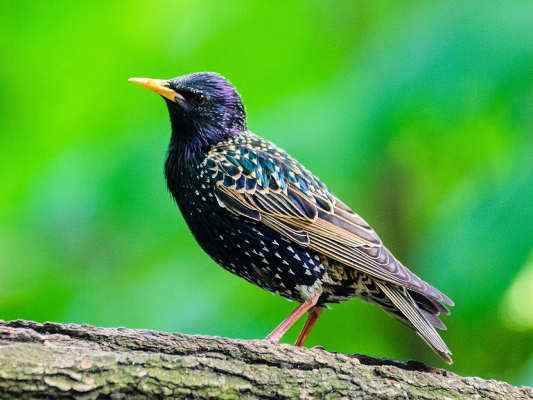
column 418, row 114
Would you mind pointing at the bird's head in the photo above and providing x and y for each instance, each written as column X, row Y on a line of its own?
column 204, row 107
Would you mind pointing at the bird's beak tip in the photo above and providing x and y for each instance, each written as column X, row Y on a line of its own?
column 139, row 81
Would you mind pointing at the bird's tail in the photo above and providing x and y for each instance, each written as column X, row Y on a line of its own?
column 422, row 321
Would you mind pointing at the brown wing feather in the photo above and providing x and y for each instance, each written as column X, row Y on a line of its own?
column 306, row 212
column 352, row 242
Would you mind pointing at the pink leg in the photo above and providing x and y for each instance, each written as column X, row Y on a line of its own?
column 314, row 313
column 285, row 325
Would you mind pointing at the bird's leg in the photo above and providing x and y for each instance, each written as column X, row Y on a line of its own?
column 314, row 313
column 286, row 324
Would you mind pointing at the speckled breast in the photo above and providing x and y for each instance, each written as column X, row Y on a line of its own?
column 243, row 246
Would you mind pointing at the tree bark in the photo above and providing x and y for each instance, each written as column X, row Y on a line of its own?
column 67, row 361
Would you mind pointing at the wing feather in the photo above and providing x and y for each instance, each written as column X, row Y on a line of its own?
column 262, row 182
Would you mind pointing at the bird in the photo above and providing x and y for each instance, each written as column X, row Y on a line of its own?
column 260, row 214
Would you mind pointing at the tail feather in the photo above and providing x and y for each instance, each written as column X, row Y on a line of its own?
column 434, row 320
column 430, row 305
column 422, row 321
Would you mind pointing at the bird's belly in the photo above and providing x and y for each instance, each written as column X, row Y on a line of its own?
column 253, row 251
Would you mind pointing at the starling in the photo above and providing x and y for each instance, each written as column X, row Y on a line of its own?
column 262, row 215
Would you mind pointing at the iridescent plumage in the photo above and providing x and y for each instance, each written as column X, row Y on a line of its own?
column 263, row 216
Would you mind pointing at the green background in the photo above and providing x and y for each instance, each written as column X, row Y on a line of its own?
column 417, row 114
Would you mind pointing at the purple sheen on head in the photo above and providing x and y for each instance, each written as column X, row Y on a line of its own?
column 212, row 111
column 209, row 83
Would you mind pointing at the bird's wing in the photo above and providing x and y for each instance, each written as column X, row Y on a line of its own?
column 256, row 179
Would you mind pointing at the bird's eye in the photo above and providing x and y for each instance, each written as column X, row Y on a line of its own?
column 193, row 96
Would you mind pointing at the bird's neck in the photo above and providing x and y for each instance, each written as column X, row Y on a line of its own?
column 186, row 149
column 192, row 139
column 190, row 144
column 185, row 153
column 182, row 158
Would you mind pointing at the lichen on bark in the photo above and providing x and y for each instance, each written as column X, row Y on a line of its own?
column 67, row 361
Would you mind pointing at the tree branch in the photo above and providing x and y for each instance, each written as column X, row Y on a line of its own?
column 41, row 361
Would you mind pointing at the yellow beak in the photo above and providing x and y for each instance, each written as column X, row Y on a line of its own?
column 160, row 86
